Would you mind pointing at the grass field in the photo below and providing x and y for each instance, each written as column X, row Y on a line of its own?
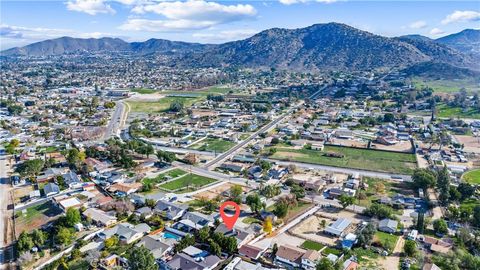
column 443, row 110
column 353, row 158
column 374, row 192
column 161, row 105
column 213, row 145
column 164, row 176
column 469, row 204
column 384, row 238
column 144, row 90
column 312, row 245
column 187, row 183
column 472, row 177
column 446, row 86
column 329, row 250
column 36, row 216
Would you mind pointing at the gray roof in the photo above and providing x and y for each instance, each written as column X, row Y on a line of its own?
column 388, row 223
column 126, row 230
column 155, row 245
column 51, row 188
column 184, row 262
column 338, row 226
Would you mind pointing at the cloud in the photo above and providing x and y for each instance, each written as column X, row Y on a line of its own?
column 198, row 10
column 436, row 31
column 417, row 25
column 92, row 7
column 227, row 35
column 291, row 2
column 164, row 25
column 18, row 35
column 462, row 16
column 188, row 15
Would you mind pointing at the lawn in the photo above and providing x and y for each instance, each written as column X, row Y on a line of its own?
column 312, row 245
column 469, row 203
column 213, row 145
column 164, row 176
column 36, row 216
column 329, row 250
column 374, row 192
column 472, row 177
column 189, row 182
column 382, row 238
column 446, row 86
column 446, row 111
column 160, row 105
column 250, row 220
column 382, row 161
column 144, row 90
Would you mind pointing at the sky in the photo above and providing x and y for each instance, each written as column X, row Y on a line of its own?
column 211, row 21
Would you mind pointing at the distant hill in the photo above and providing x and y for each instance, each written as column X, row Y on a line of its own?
column 69, row 45
column 439, row 71
column 330, row 46
column 466, row 41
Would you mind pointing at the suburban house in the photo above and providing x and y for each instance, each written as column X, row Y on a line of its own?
column 388, row 225
column 156, row 244
column 310, row 259
column 243, row 236
column 51, row 189
column 145, row 212
column 100, row 217
column 251, row 252
column 192, row 258
column 126, row 232
column 338, row 227
column 172, row 210
column 289, row 255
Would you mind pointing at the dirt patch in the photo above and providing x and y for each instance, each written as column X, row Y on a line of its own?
column 22, row 193
column 216, row 191
column 471, row 143
column 290, row 154
column 311, row 229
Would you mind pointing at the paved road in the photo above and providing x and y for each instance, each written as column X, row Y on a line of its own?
column 344, row 170
column 211, row 164
column 6, row 249
column 117, row 121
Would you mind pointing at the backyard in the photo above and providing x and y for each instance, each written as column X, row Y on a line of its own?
column 308, row 244
column 164, row 176
column 187, row 183
column 373, row 160
column 386, row 240
column 213, row 145
column 378, row 188
column 35, row 216
column 472, row 177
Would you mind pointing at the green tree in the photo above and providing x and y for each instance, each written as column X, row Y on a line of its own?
column 466, row 191
column 38, row 237
column 72, row 217
column 64, row 236
column 281, row 209
column 25, row 242
column 215, row 248
column 476, row 215
column 140, row 258
column 111, row 242
column 325, row 264
column 176, row 106
column 204, row 234
column 440, row 226
column 253, row 200
column 443, row 185
column 30, row 168
column 423, row 178
column 235, row 192
column 410, row 248
column 346, row 200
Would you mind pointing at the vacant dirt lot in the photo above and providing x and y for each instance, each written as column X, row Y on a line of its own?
column 471, row 143
column 404, row 146
column 311, row 229
column 217, row 190
column 22, row 192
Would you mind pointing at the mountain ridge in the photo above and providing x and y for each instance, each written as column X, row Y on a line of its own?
column 316, row 47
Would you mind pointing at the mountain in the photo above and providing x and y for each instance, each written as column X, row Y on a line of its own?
column 466, row 41
column 438, row 71
column 65, row 45
column 439, row 52
column 330, row 46
column 326, row 46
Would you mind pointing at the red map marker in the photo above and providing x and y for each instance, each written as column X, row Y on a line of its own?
column 229, row 220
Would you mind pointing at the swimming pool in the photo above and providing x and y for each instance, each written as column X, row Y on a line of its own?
column 169, row 235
